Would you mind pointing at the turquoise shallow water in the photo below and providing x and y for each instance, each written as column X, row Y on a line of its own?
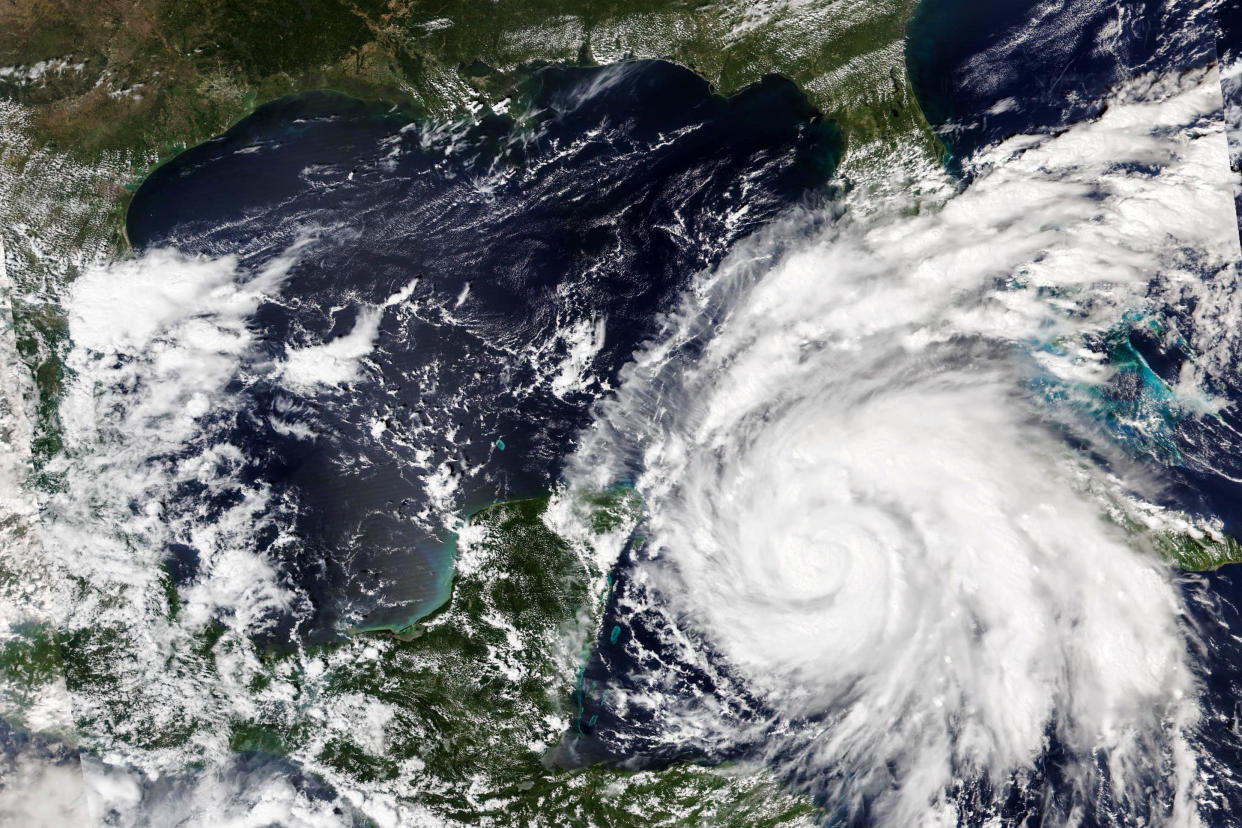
column 508, row 267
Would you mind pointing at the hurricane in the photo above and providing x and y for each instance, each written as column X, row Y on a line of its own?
column 883, row 511
column 779, row 414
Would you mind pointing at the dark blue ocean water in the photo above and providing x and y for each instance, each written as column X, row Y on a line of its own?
column 590, row 205
column 596, row 200
column 984, row 72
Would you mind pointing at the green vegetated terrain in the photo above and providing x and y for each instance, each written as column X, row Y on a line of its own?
column 456, row 713
column 457, row 719
column 95, row 95
column 130, row 82
column 1200, row 552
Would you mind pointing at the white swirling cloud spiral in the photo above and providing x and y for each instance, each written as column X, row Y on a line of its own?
column 856, row 500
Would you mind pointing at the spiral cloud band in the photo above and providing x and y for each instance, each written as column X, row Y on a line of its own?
column 865, row 503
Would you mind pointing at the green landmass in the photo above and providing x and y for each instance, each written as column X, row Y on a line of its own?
column 93, row 96
column 1199, row 552
column 471, row 698
column 459, row 722
column 128, row 83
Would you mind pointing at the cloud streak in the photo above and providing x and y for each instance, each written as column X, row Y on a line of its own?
column 862, row 504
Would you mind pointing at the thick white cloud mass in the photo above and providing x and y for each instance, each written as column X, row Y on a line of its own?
column 36, row 793
column 859, row 494
column 861, row 501
column 156, row 341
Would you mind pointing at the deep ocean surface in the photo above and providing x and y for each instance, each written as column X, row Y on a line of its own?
column 531, row 252
column 461, row 296
column 985, row 73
